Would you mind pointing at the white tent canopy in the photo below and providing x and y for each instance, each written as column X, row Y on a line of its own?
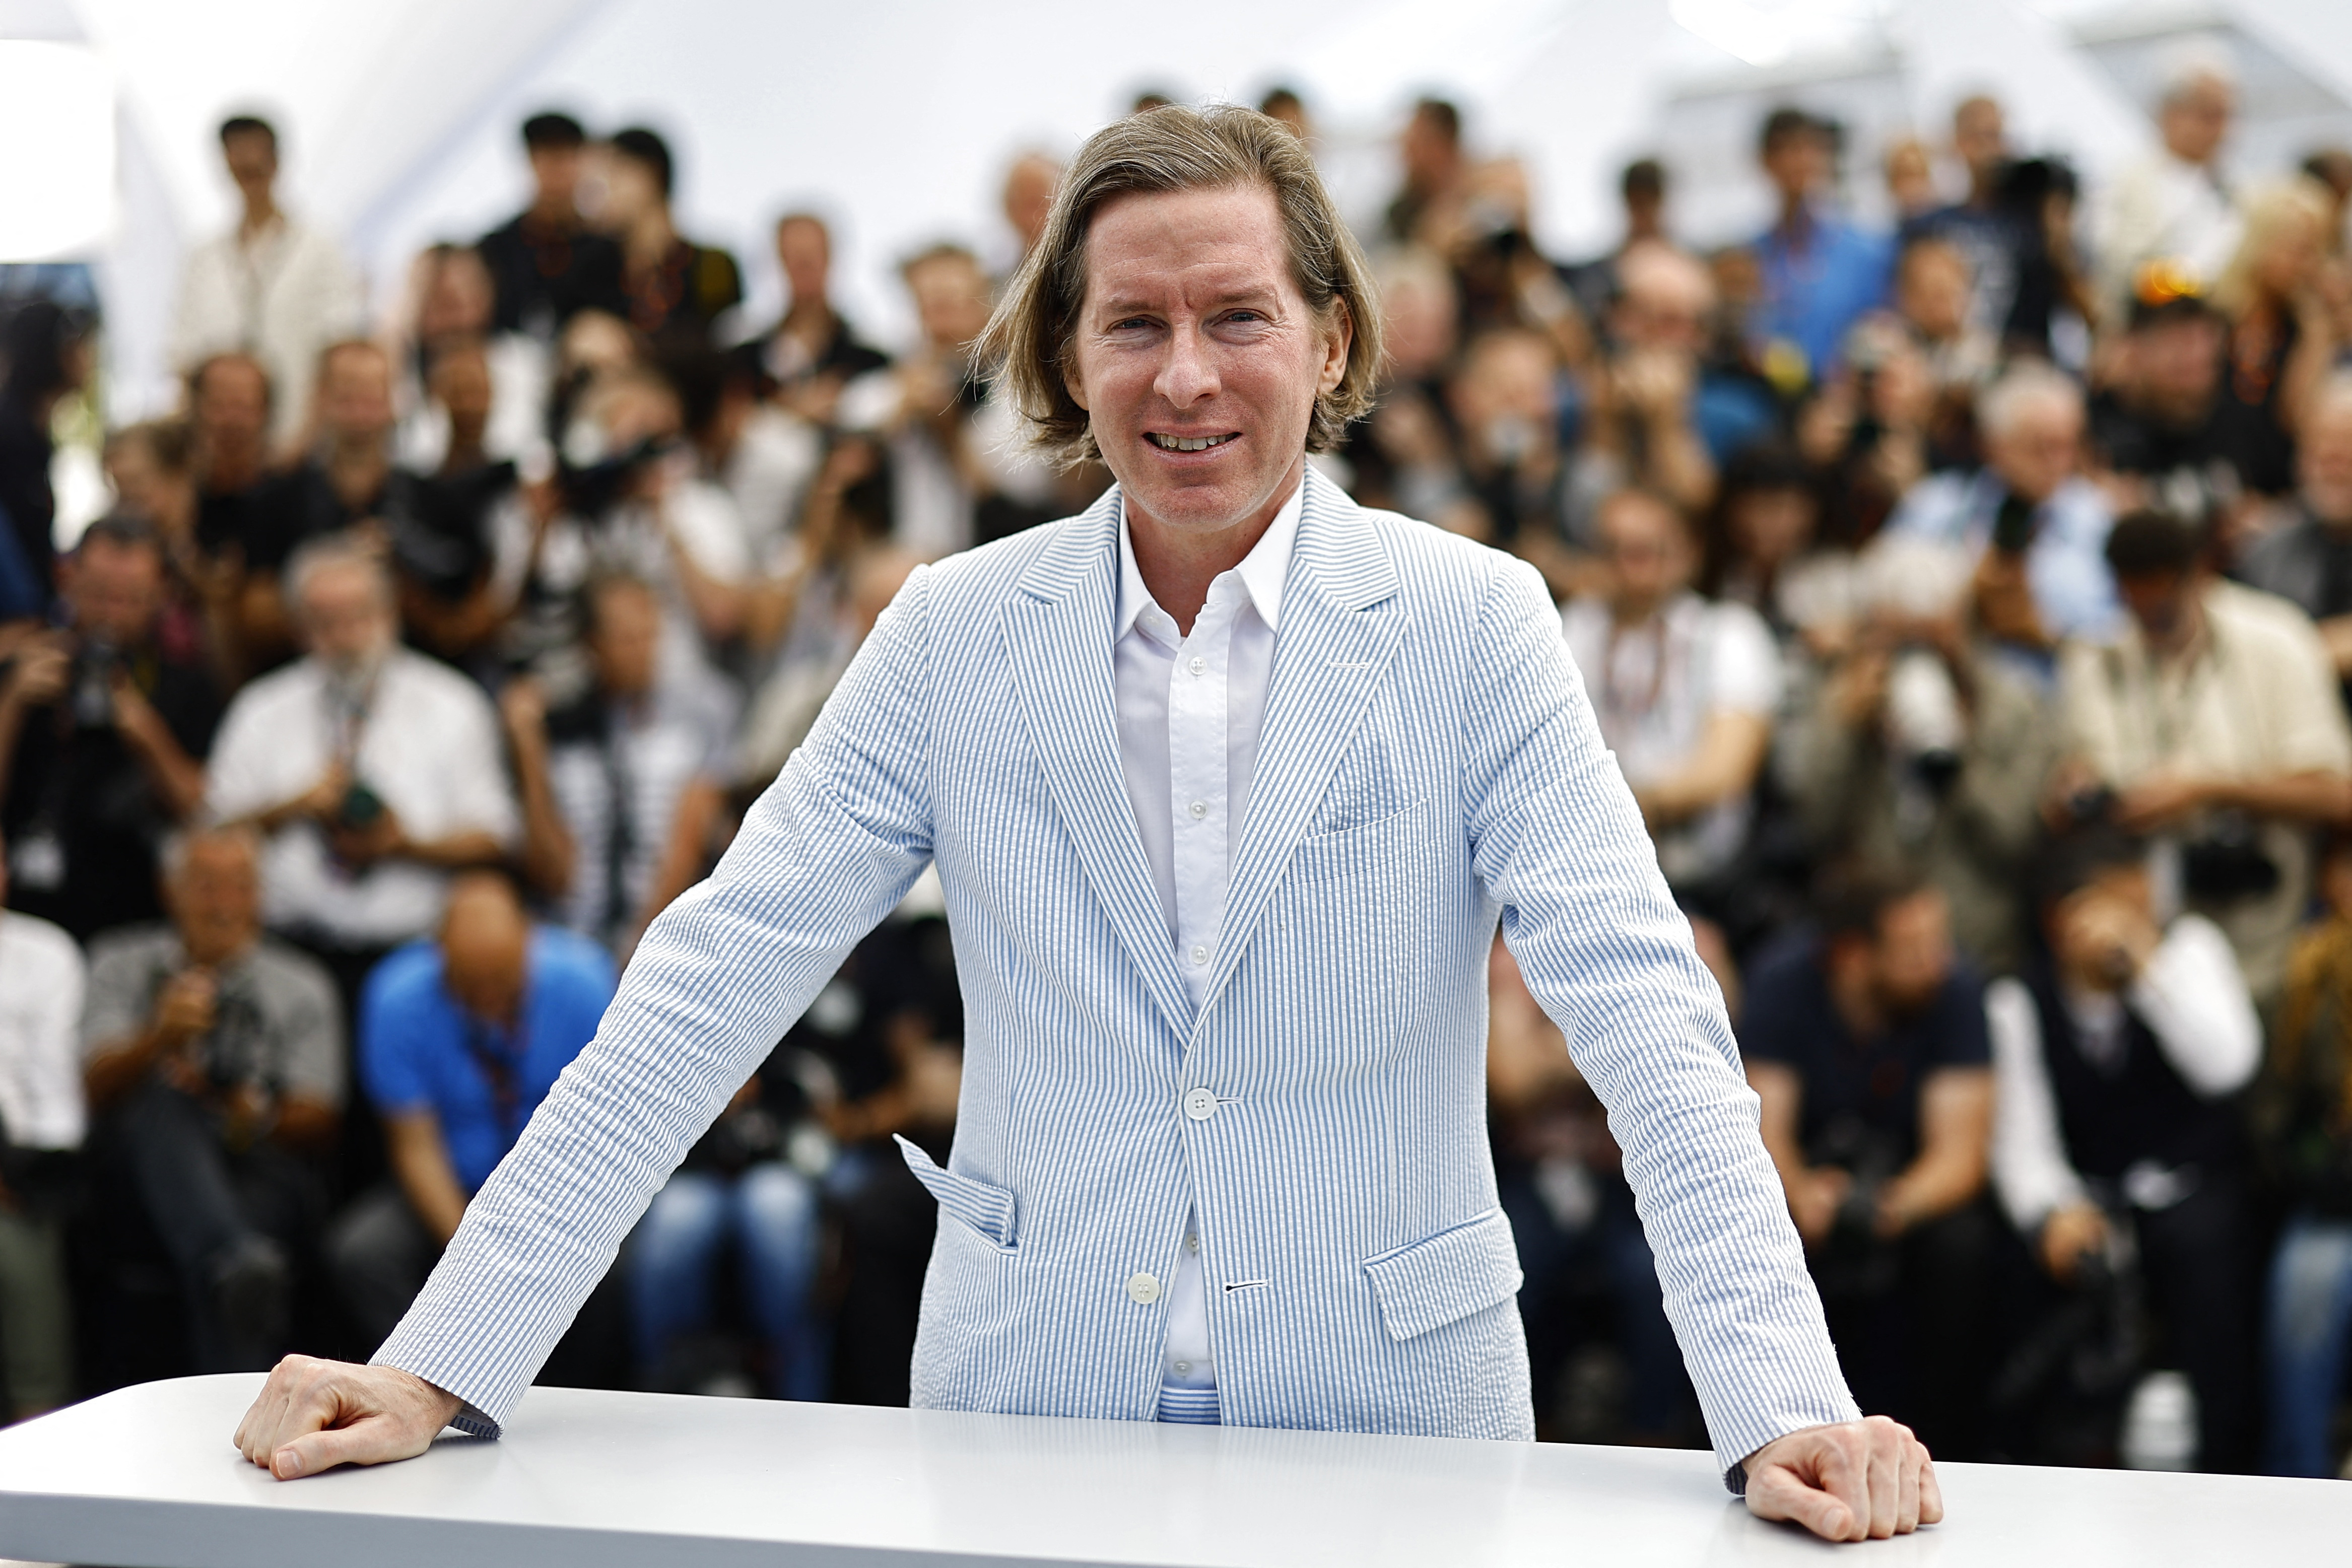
column 898, row 116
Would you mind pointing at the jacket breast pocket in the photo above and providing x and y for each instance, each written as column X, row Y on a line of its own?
column 987, row 1210
column 1360, row 853
column 1445, row 1278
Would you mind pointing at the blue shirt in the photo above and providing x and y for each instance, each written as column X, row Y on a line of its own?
column 419, row 1051
column 1813, row 293
column 2065, row 563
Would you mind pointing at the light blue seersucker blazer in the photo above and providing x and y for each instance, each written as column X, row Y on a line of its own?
column 1428, row 764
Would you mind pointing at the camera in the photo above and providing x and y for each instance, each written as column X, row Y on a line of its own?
column 592, row 490
column 93, row 685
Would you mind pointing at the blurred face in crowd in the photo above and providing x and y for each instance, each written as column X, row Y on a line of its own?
column 115, row 590
column 2089, row 928
column 1029, row 195
column 230, row 405
column 461, row 384
column 1980, row 138
column 555, row 180
column 950, row 300
column 345, row 609
column 2196, row 119
column 216, row 898
column 1912, row 954
column 1430, row 154
column 631, row 190
column 2323, row 460
column 1798, row 165
column 2038, row 448
column 1910, row 175
column 1666, row 299
column 457, row 297
column 1932, row 290
column 1772, row 527
column 252, row 160
column 2162, row 604
column 1418, row 307
column 355, row 393
column 1647, row 546
column 626, row 639
column 596, row 342
column 145, row 485
column 1506, row 395
column 804, row 252
column 2288, row 250
column 486, row 948
column 1196, row 358
column 2174, row 365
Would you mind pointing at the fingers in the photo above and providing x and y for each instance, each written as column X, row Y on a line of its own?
column 1882, row 1466
column 1775, row 1492
column 1931, row 1491
column 1906, row 1491
column 372, row 1440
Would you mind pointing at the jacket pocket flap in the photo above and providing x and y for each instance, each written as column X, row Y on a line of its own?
column 1447, row 1276
column 987, row 1210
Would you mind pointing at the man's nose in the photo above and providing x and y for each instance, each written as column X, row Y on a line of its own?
column 1186, row 374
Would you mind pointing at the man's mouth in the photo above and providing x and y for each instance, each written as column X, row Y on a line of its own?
column 1188, row 443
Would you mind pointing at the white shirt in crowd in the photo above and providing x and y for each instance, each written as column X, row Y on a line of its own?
column 280, row 297
column 1190, row 710
column 41, row 984
column 1654, row 686
column 2194, row 1000
column 427, row 742
column 2161, row 208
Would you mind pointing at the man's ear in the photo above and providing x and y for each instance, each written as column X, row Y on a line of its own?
column 1072, row 382
column 1337, row 340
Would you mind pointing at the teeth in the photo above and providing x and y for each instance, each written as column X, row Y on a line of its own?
column 1188, row 444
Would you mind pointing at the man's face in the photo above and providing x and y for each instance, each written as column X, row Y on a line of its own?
column 1798, row 163
column 2039, row 449
column 459, row 300
column 2159, row 603
column 2196, row 119
column 1978, row 135
column 216, row 899
column 1648, row 551
column 232, row 403
column 355, row 394
column 2176, row 363
column 1196, row 357
column 2324, row 459
column 1029, row 196
column 951, row 300
column 347, row 619
column 114, row 591
column 1933, row 290
column 556, row 174
column 485, row 962
column 461, row 384
column 627, row 637
column 1430, row 155
column 1506, row 398
column 630, row 191
column 804, row 254
column 1914, row 952
column 252, row 160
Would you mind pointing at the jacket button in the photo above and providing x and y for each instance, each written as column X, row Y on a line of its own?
column 1143, row 1290
column 1201, row 1103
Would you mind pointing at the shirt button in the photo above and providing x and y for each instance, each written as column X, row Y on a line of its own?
column 1201, row 1103
column 1192, row 1244
column 1199, row 955
column 1196, row 663
column 1199, row 809
column 1143, row 1290
column 1183, row 1369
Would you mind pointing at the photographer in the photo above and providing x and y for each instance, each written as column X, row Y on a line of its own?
column 1864, row 1040
column 2213, row 721
column 102, row 736
column 373, row 771
column 2118, row 1055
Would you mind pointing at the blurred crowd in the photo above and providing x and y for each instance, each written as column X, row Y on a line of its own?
column 1968, row 607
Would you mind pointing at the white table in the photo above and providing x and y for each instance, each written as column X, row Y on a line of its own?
column 145, row 1478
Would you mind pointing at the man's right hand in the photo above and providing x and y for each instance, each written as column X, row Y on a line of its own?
column 312, row 1416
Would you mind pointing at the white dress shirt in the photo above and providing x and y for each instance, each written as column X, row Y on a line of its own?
column 280, row 295
column 41, row 987
column 1189, row 709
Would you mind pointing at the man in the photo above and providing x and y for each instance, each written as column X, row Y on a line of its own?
column 1028, row 198
column 102, row 740
column 2120, row 1056
column 1436, row 166
column 675, row 289
column 460, row 1039
column 230, row 409
column 546, row 264
column 2032, row 523
column 1038, row 722
column 1985, row 230
column 273, row 287
column 2213, row 722
column 42, row 1119
column 620, row 791
column 2157, row 433
column 1819, row 272
column 2308, row 559
column 809, row 355
column 2170, row 204
column 1866, row 1042
column 213, row 1059
column 372, row 772
column 1641, row 189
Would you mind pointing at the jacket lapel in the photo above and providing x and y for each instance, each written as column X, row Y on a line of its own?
column 1058, row 635
column 1341, row 619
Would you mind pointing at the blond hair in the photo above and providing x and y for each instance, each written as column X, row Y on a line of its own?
column 1028, row 341
column 2273, row 208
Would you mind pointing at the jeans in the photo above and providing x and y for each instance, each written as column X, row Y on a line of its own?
column 2310, row 1325
column 769, row 1214
column 379, row 1255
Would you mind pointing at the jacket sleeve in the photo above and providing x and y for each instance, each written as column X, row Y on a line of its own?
column 826, row 853
column 1556, row 839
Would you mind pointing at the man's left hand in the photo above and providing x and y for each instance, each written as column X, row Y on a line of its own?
column 1855, row 1480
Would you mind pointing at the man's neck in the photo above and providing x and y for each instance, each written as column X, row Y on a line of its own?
column 1853, row 992
column 650, row 238
column 1627, row 614
column 553, row 211
column 261, row 220
column 356, row 467
column 1178, row 565
column 1797, row 221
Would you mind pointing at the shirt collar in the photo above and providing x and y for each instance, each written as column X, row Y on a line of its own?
column 1261, row 571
